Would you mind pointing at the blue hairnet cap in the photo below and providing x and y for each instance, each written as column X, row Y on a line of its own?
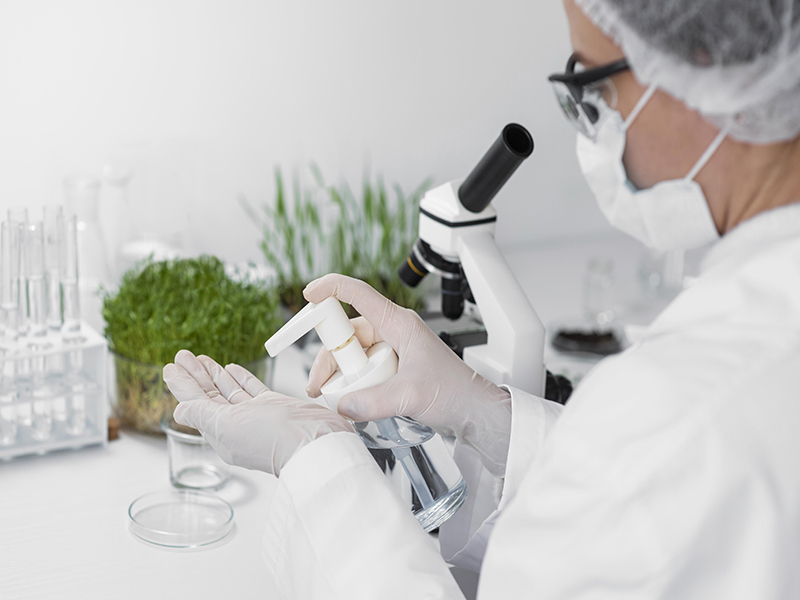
column 735, row 61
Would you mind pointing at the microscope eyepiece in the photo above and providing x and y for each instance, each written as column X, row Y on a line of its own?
column 514, row 145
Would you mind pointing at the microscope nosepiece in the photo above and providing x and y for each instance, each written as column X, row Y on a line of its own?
column 423, row 260
column 412, row 271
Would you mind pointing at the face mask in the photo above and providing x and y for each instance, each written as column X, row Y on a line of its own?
column 671, row 215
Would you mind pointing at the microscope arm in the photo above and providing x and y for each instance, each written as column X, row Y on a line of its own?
column 514, row 354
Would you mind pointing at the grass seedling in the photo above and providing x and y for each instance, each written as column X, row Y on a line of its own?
column 328, row 229
column 293, row 239
column 373, row 236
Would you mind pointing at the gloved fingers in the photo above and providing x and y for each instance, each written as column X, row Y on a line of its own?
column 249, row 382
column 225, row 383
column 197, row 414
column 325, row 365
column 374, row 403
column 189, row 361
column 365, row 332
column 185, row 387
column 385, row 315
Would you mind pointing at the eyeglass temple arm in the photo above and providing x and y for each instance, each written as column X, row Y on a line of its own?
column 589, row 76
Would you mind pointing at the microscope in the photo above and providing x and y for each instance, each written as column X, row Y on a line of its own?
column 456, row 241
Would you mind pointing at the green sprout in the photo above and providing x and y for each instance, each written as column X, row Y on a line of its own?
column 367, row 237
column 373, row 236
column 293, row 239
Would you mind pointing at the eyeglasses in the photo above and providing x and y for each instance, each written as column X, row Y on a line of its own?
column 579, row 93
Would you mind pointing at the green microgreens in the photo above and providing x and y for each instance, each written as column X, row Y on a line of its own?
column 162, row 307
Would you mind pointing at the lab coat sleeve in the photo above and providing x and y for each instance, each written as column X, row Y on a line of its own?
column 336, row 529
column 464, row 537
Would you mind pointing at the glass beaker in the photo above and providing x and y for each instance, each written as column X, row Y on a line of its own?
column 661, row 273
column 193, row 463
column 598, row 290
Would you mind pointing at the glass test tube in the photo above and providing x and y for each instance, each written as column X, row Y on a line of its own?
column 76, row 423
column 52, row 249
column 9, row 306
column 8, row 411
column 24, row 370
column 19, row 217
column 53, row 236
column 71, row 329
column 42, row 419
column 9, row 282
column 44, row 407
column 68, row 263
column 37, row 294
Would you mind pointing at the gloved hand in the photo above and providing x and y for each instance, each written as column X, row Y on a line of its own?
column 432, row 386
column 245, row 422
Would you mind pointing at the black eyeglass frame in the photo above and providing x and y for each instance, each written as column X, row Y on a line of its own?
column 575, row 82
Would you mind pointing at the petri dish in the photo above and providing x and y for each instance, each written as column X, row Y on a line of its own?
column 180, row 518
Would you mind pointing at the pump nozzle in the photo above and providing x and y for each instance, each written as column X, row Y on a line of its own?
column 333, row 328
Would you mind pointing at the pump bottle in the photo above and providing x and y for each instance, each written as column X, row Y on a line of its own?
column 427, row 477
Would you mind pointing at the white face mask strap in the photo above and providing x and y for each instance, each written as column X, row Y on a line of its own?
column 701, row 162
column 639, row 106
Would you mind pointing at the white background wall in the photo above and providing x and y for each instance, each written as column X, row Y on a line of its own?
column 213, row 93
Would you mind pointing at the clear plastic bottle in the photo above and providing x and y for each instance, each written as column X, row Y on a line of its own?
column 414, row 457
column 420, row 466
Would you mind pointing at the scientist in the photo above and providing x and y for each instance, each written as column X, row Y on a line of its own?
column 674, row 471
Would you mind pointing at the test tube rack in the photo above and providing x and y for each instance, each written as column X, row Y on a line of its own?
column 53, row 394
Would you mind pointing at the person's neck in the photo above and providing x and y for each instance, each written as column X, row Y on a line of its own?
column 757, row 179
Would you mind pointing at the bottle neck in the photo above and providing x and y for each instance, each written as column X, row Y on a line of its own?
column 351, row 358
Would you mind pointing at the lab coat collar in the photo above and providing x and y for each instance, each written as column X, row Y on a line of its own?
column 768, row 227
column 732, row 288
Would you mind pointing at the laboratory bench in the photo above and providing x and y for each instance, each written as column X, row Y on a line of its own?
column 63, row 516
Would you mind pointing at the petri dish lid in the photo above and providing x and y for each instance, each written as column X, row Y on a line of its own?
column 180, row 518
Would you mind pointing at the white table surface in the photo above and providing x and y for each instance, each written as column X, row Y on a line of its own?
column 63, row 516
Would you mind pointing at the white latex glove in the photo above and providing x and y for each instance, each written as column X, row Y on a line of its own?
column 432, row 386
column 245, row 422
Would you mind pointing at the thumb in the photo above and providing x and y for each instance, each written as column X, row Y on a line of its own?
column 389, row 319
column 374, row 403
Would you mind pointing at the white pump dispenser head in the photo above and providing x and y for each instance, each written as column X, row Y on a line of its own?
column 357, row 369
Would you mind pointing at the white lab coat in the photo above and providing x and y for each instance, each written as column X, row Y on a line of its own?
column 673, row 472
